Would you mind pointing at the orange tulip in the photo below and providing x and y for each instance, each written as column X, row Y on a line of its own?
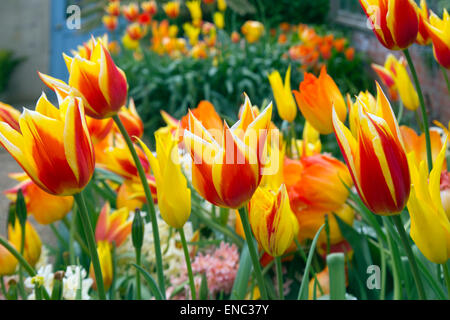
column 9, row 115
column 96, row 79
column 350, row 53
column 33, row 245
column 375, row 156
column 113, row 227
column 131, row 194
column 208, row 117
column 321, row 286
column 316, row 183
column 235, row 37
column 316, row 98
column 45, row 208
column 131, row 120
column 135, row 31
column 227, row 171
column 394, row 22
column 53, row 146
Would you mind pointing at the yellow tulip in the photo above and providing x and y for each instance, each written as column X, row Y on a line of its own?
column 222, row 5
column 219, row 20
column 272, row 220
column 195, row 10
column 8, row 263
column 287, row 109
column 406, row 90
column 105, row 258
column 33, row 245
column 430, row 226
column 174, row 197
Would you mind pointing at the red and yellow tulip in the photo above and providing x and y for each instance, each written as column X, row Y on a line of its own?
column 131, row 120
column 96, row 79
column 272, row 220
column 316, row 98
column 149, row 7
column 117, row 158
column 113, row 227
column 394, row 22
column 375, row 156
column 174, row 197
column 172, row 9
column 131, row 11
column 9, row 115
column 227, row 172
column 33, row 245
column 396, row 78
column 439, row 31
column 287, row 109
column 53, row 146
column 430, row 226
column 110, row 22
column 45, row 208
column 423, row 37
column 113, row 8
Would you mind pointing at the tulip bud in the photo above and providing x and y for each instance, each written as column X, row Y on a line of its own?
column 137, row 230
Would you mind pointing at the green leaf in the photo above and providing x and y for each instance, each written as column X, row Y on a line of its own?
column 150, row 281
column 240, row 284
column 336, row 267
column 303, row 292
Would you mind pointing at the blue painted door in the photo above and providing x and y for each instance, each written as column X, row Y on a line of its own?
column 64, row 39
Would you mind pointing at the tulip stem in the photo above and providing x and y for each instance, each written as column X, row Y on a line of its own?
column 253, row 253
column 412, row 260
column 138, row 274
column 188, row 264
column 89, row 232
column 279, row 277
column 447, row 278
column 149, row 204
column 422, row 107
column 22, row 250
column 444, row 72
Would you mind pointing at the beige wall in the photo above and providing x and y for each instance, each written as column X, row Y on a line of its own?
column 25, row 29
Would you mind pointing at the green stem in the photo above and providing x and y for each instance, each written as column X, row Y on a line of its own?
column 138, row 274
column 188, row 263
column 401, row 108
column 447, row 278
column 77, row 235
column 253, row 252
column 72, row 237
column 149, row 204
column 444, row 72
column 395, row 267
column 2, row 286
column 279, row 277
column 22, row 250
column 422, row 107
column 412, row 261
column 89, row 232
